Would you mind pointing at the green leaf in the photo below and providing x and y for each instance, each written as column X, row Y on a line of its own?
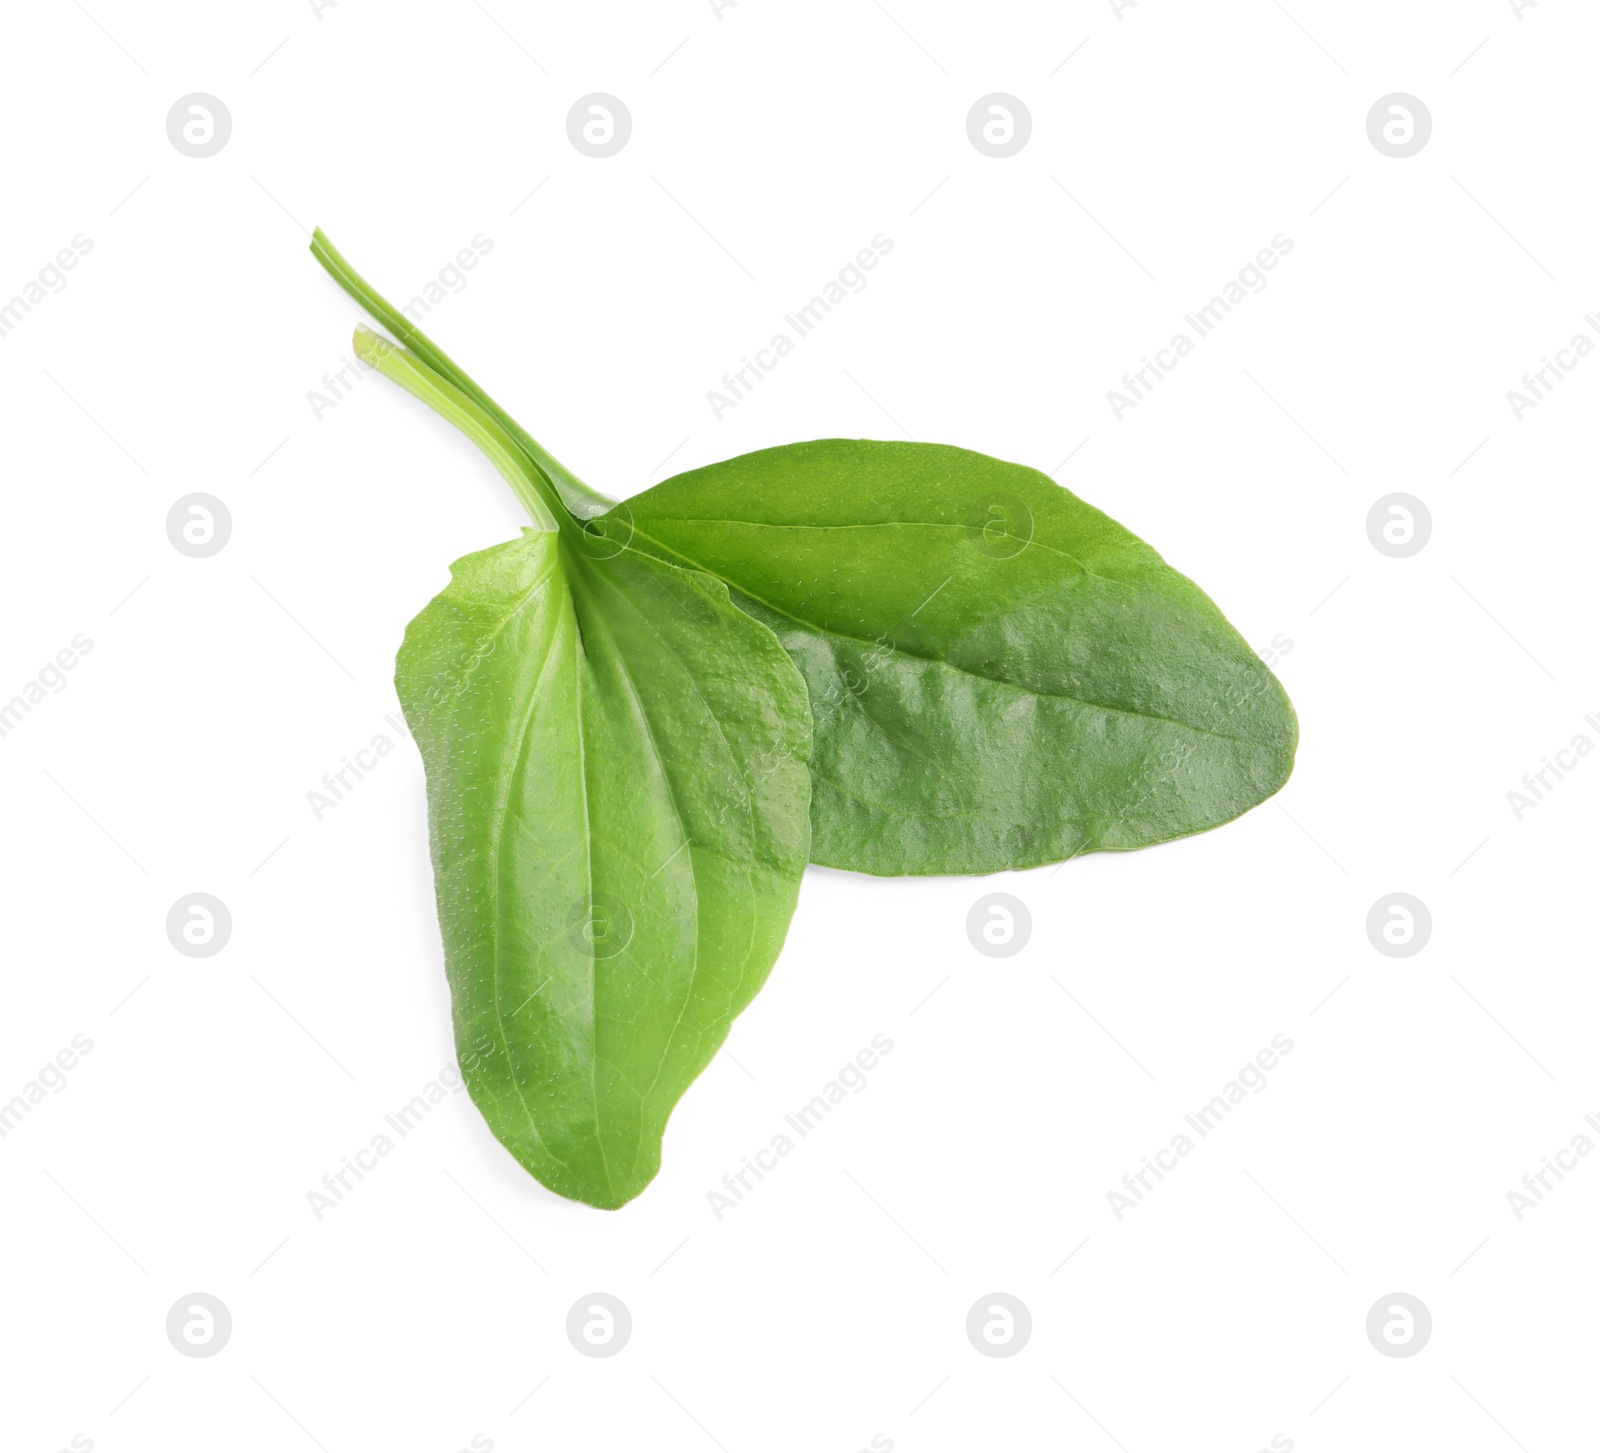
column 618, row 810
column 999, row 674
column 617, row 799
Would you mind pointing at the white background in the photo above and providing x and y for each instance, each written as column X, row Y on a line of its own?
column 769, row 145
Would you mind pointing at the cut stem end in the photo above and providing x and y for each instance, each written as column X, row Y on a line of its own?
column 446, row 400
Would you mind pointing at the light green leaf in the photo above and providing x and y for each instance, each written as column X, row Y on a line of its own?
column 617, row 801
column 617, row 804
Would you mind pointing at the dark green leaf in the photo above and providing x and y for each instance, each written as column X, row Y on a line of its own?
column 999, row 674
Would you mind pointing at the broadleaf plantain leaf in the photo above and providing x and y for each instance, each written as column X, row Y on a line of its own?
column 618, row 800
column 1000, row 675
column 617, row 793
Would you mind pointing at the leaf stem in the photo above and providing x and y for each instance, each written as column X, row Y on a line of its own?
column 558, row 483
column 445, row 399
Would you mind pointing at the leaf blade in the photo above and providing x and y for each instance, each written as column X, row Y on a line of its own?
column 592, row 771
column 1000, row 674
